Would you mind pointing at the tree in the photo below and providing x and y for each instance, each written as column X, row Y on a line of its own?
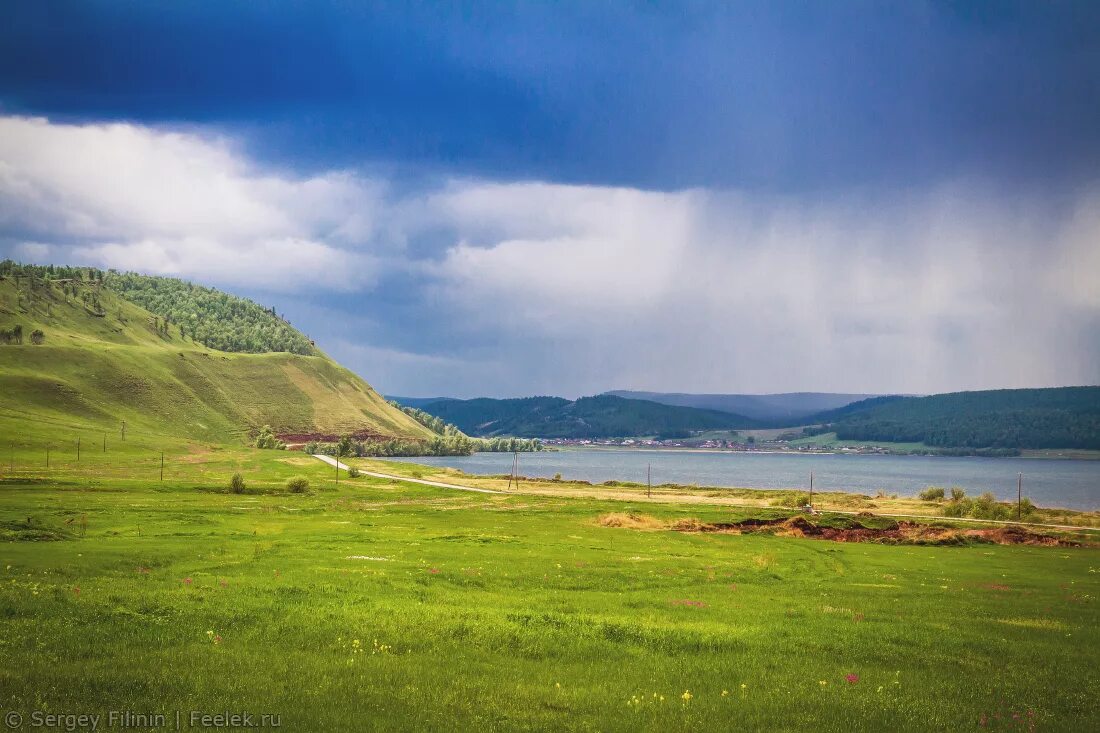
column 37, row 337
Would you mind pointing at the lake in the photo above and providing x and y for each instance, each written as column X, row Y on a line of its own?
column 1074, row 484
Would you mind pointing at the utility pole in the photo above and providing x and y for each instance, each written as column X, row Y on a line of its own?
column 162, row 466
column 105, row 442
column 811, row 489
column 514, row 475
column 1019, row 496
column 649, row 480
column 124, row 430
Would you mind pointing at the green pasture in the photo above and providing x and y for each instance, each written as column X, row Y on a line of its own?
column 382, row 605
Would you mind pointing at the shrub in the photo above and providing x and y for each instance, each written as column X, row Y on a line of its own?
column 932, row 493
column 267, row 439
column 37, row 337
column 297, row 484
column 236, row 484
column 313, row 447
column 353, row 472
column 957, row 494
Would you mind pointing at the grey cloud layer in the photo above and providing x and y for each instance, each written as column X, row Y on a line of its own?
column 478, row 287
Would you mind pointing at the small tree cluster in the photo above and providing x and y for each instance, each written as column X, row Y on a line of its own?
column 267, row 439
column 13, row 335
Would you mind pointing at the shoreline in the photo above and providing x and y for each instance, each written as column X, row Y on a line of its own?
column 670, row 492
column 1029, row 454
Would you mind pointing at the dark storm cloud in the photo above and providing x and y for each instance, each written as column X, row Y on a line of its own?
column 784, row 95
column 567, row 198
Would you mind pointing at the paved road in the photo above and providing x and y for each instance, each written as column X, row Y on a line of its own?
column 333, row 462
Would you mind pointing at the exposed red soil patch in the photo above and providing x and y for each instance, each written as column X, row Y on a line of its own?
column 853, row 531
column 302, row 438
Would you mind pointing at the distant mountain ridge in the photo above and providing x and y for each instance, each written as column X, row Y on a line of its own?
column 602, row 416
column 785, row 408
column 1052, row 417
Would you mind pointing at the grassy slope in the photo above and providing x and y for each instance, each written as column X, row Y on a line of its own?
column 482, row 612
column 94, row 372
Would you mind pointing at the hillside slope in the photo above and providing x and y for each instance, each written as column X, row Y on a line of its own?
column 105, row 360
column 1056, row 417
column 602, row 416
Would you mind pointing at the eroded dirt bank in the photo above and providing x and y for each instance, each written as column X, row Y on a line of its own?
column 866, row 528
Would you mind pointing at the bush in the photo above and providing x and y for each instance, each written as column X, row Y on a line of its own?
column 236, row 484
column 297, row 484
column 353, row 472
column 932, row 493
column 957, row 494
column 267, row 439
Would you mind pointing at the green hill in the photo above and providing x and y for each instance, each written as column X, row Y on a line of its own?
column 602, row 416
column 104, row 360
column 1058, row 417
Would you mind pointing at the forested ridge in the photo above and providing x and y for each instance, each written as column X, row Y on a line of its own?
column 602, row 416
column 204, row 315
column 1061, row 417
column 211, row 317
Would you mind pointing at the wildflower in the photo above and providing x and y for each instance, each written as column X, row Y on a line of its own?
column 686, row 696
column 880, row 688
column 557, row 685
column 725, row 693
column 76, row 590
column 852, row 678
column 822, row 682
column 744, row 686
column 187, row 581
column 433, row 571
column 217, row 638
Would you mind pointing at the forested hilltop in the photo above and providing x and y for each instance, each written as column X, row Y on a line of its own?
column 204, row 315
column 1060, row 417
column 602, row 416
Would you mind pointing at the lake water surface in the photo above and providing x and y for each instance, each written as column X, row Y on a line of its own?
column 1074, row 484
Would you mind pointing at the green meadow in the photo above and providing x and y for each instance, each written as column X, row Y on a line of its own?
column 386, row 605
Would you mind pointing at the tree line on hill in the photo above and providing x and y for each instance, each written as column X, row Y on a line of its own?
column 204, row 315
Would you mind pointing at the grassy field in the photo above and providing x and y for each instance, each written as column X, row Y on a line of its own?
column 384, row 605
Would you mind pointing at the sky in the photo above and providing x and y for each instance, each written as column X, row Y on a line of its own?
column 502, row 199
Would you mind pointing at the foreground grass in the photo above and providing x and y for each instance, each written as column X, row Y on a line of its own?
column 391, row 606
